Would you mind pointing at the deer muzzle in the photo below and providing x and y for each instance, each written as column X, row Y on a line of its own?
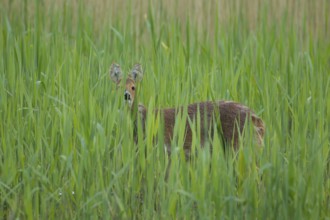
column 127, row 96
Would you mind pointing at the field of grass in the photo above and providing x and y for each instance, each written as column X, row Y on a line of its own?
column 66, row 139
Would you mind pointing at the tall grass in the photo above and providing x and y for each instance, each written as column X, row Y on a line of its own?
column 66, row 140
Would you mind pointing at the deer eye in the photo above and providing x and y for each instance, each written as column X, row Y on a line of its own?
column 133, row 88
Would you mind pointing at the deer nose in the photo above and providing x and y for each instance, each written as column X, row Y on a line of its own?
column 127, row 96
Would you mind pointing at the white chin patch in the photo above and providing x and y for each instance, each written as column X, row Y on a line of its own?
column 130, row 103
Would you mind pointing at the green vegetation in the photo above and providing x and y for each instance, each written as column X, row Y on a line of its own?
column 66, row 143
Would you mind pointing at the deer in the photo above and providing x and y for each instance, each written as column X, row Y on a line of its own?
column 229, row 116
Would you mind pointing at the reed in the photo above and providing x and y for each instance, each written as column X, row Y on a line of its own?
column 67, row 147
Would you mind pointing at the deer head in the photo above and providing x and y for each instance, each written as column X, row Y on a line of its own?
column 135, row 75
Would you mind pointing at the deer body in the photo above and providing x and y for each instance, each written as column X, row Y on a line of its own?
column 228, row 117
column 233, row 117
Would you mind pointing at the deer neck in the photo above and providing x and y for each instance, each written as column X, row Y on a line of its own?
column 139, row 113
column 135, row 109
column 138, row 110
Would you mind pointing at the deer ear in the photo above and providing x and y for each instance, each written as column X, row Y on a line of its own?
column 137, row 72
column 115, row 73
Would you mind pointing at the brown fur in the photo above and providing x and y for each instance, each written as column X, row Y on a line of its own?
column 233, row 117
